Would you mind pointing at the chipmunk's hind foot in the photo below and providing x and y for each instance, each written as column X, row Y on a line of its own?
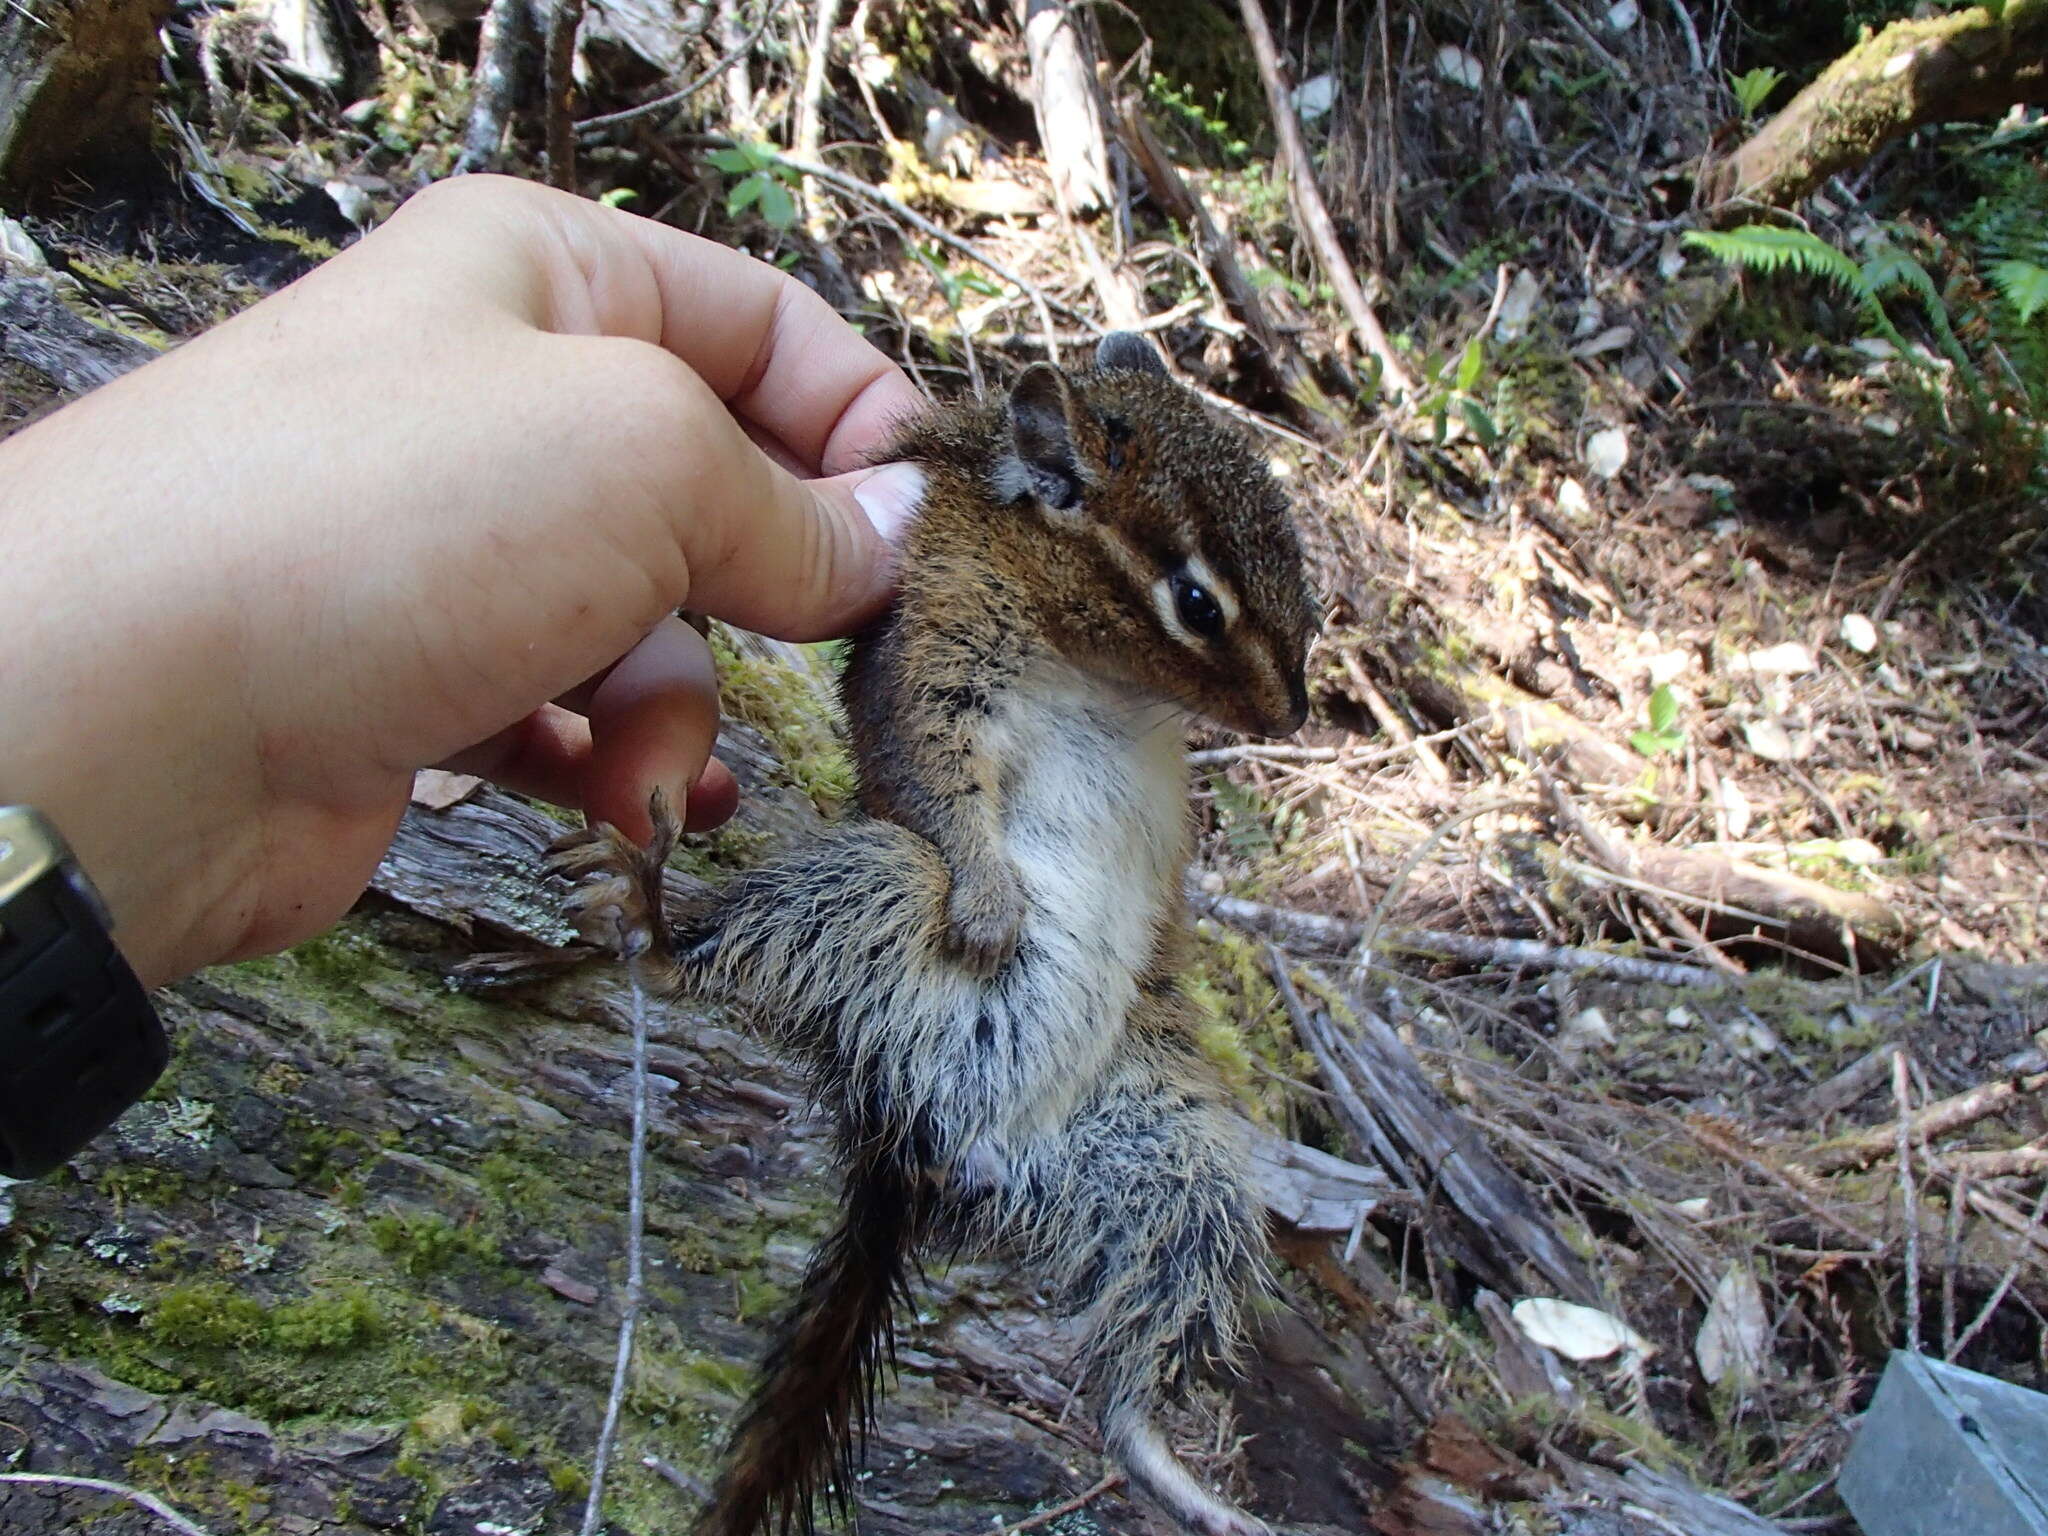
column 618, row 899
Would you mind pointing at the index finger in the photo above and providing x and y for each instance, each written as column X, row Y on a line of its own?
column 776, row 353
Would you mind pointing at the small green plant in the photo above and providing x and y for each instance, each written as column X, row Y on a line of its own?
column 1664, row 738
column 1204, row 124
column 618, row 197
column 1773, row 248
column 762, row 181
column 953, row 284
column 1753, row 88
column 1450, row 390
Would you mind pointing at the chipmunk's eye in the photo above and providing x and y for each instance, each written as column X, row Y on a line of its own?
column 1198, row 609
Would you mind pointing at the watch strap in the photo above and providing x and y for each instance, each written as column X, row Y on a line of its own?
column 79, row 1041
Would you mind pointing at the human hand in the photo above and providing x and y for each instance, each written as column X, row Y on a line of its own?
column 435, row 503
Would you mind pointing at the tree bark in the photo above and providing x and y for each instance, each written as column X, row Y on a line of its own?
column 77, row 80
column 1964, row 65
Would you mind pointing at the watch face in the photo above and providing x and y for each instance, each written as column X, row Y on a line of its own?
column 29, row 849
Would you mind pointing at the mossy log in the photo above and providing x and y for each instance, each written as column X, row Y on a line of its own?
column 355, row 1266
column 77, row 81
column 1970, row 64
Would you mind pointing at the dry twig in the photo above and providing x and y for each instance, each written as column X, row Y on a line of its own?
column 1315, row 215
column 1939, row 1119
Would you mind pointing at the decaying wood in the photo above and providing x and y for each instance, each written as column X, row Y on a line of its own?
column 1312, row 407
column 1069, row 111
column 565, row 21
column 1532, row 728
column 76, row 355
column 1678, row 1505
column 1308, row 200
column 80, row 78
column 1336, row 935
column 810, row 117
column 1432, row 1147
column 1314, row 1192
column 502, row 57
column 1970, row 63
column 1737, row 897
column 1526, row 1368
column 1943, row 1118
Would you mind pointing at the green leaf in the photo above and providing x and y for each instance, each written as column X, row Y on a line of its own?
column 1470, row 365
column 1771, row 248
column 1478, row 421
column 618, row 196
column 2025, row 286
column 744, row 195
column 1754, row 88
column 737, row 161
column 1657, row 743
column 777, row 206
column 1663, row 709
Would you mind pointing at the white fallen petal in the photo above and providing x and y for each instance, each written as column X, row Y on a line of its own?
column 1788, row 660
column 1622, row 15
column 1314, row 98
column 1573, row 502
column 1696, row 1209
column 1732, row 808
column 1607, row 451
column 1768, row 740
column 1613, row 339
column 1518, row 308
column 1732, row 1341
column 1460, row 67
column 1858, row 633
column 1576, row 1332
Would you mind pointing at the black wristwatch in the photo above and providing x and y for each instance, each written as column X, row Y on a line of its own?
column 79, row 1041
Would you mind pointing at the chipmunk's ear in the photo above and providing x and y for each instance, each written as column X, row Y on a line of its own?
column 1128, row 352
column 1044, row 465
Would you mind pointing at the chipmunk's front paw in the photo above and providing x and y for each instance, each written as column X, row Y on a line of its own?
column 984, row 919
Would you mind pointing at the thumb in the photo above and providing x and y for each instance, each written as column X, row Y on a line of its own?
column 836, row 568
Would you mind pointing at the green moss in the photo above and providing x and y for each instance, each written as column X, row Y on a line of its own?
column 1242, row 1029
column 345, row 1319
column 795, row 714
column 208, row 1315
column 428, row 1244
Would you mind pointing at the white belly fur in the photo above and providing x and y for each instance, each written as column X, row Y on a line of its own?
column 1094, row 802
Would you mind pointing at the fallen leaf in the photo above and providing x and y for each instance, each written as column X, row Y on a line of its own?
column 436, row 789
column 1573, row 502
column 1576, row 1332
column 1607, row 451
column 1768, row 740
column 1732, row 1341
column 1519, row 307
column 1460, row 67
column 1788, row 660
column 1858, row 633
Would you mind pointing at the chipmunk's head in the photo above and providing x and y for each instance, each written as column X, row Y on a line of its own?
column 1170, row 559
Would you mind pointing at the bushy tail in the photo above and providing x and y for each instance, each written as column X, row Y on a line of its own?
column 816, row 1399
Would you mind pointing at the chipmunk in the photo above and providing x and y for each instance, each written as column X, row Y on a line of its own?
column 977, row 972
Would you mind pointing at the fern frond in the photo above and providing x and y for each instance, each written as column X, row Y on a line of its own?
column 1772, row 248
column 2025, row 286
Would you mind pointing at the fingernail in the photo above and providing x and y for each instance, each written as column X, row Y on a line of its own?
column 891, row 497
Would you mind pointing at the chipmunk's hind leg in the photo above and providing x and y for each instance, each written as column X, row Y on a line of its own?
column 618, row 900
column 1144, row 1211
